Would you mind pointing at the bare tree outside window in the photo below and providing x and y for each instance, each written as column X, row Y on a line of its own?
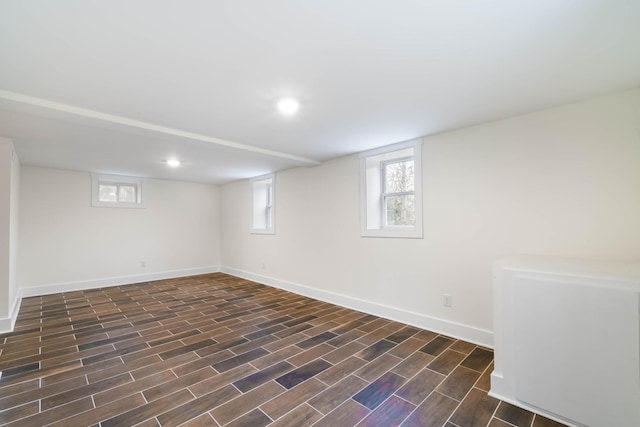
column 399, row 193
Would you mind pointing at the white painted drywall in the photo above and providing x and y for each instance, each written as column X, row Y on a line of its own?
column 562, row 182
column 63, row 239
column 14, row 221
column 9, row 200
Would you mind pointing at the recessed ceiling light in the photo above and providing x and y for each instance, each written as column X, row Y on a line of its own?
column 174, row 163
column 288, row 105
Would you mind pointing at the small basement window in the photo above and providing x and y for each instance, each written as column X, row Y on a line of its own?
column 390, row 191
column 263, row 205
column 115, row 191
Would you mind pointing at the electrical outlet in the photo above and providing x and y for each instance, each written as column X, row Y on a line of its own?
column 447, row 300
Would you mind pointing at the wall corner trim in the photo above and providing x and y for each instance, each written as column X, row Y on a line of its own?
column 7, row 323
column 456, row 330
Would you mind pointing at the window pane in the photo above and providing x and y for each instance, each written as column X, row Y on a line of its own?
column 127, row 193
column 399, row 177
column 401, row 210
column 108, row 193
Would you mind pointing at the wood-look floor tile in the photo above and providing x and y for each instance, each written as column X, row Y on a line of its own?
column 204, row 420
column 458, row 384
column 343, row 352
column 17, row 412
column 254, row 380
column 478, row 359
column 293, row 330
column 303, row 373
column 407, row 347
column 245, row 403
column 151, row 422
column 390, row 414
column 241, row 359
column 514, row 415
column 540, row 421
column 214, row 343
column 14, row 399
column 446, row 362
column 302, row 416
column 284, row 403
column 403, row 334
column 378, row 391
column 349, row 413
column 86, row 390
column 187, row 348
column 375, row 350
column 255, row 418
column 182, row 369
column 149, row 410
column 341, row 370
column 475, row 410
column 425, row 335
column 275, row 357
column 373, row 325
column 285, row 342
column 151, row 365
column 463, row 346
column 308, row 355
column 496, row 422
column 420, row 386
column 104, row 397
column 9, row 373
column 101, row 413
column 484, row 383
column 315, row 340
column 377, row 367
column 437, row 345
column 412, row 364
column 433, row 412
column 192, row 409
column 53, row 415
column 375, row 336
column 20, row 387
column 332, row 397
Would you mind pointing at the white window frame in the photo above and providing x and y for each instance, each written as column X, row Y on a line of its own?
column 264, row 194
column 372, row 190
column 98, row 179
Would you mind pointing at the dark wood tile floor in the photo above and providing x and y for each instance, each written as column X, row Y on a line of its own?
column 216, row 350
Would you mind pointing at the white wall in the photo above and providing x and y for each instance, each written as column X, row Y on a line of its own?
column 14, row 221
column 65, row 241
column 9, row 201
column 563, row 181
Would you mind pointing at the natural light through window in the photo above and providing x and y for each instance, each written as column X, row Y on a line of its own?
column 262, row 206
column 391, row 199
column 116, row 191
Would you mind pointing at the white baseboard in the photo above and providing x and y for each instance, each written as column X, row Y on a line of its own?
column 7, row 323
column 530, row 408
column 456, row 330
column 55, row 288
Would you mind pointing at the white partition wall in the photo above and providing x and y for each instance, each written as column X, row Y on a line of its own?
column 567, row 339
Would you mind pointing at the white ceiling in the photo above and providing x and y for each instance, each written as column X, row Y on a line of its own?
column 119, row 86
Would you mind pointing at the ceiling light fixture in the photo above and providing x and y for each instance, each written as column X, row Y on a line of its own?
column 174, row 163
column 288, row 105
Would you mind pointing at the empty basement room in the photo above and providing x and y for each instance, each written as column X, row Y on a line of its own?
column 330, row 213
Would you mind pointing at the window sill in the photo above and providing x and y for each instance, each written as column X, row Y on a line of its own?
column 263, row 232
column 391, row 233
